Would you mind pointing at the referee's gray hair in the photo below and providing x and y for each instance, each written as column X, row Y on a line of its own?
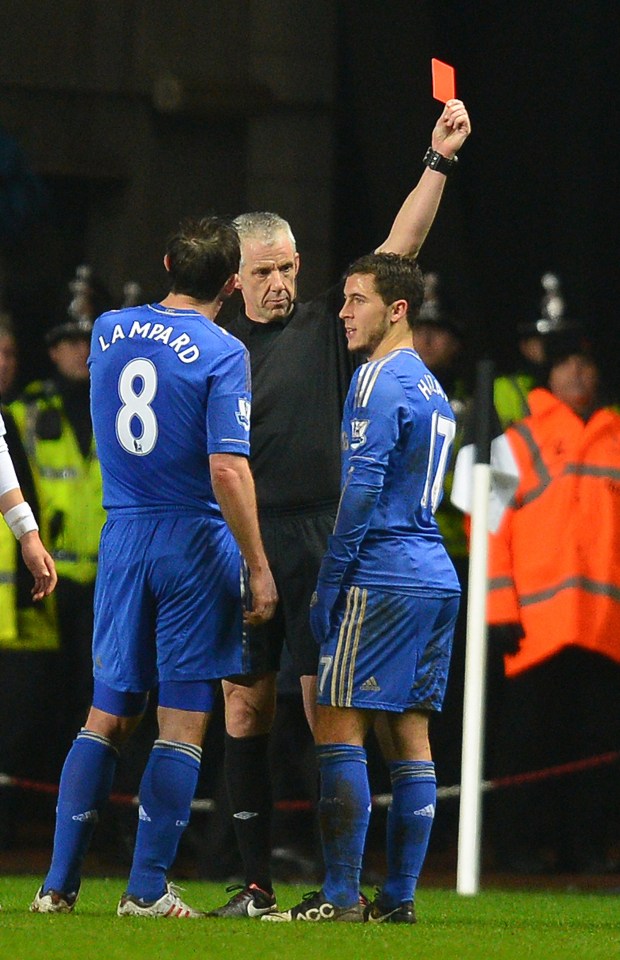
column 262, row 225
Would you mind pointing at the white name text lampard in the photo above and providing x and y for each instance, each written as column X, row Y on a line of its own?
column 181, row 343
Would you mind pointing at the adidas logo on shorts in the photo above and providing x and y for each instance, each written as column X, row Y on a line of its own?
column 370, row 685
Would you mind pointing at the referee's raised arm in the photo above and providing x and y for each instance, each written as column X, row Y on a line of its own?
column 415, row 217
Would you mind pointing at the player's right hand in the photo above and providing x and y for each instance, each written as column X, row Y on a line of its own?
column 264, row 597
column 452, row 129
column 40, row 564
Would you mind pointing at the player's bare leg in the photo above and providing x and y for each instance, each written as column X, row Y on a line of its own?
column 308, row 692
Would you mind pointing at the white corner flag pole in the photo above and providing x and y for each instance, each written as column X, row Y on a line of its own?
column 470, row 812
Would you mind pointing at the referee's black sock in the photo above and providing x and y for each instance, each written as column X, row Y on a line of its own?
column 249, row 790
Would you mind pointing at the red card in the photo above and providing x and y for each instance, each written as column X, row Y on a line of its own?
column 444, row 86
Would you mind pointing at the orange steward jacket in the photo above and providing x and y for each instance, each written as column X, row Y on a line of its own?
column 554, row 563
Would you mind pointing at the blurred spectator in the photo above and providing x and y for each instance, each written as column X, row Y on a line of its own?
column 53, row 419
column 29, row 642
column 554, row 605
column 8, row 358
column 439, row 338
column 511, row 391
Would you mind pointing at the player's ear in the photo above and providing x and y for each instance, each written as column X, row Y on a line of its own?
column 399, row 310
column 231, row 284
column 167, row 262
column 237, row 282
column 297, row 263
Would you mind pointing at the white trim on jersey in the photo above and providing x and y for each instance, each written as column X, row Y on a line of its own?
column 173, row 311
column 369, row 373
column 8, row 477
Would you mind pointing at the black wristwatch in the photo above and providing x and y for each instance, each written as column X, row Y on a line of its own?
column 437, row 161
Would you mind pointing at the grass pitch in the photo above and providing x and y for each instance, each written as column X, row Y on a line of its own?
column 494, row 924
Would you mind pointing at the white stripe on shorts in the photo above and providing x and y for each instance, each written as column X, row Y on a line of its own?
column 343, row 671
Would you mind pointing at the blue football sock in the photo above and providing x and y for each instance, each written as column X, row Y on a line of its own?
column 85, row 785
column 166, row 792
column 344, row 812
column 409, row 825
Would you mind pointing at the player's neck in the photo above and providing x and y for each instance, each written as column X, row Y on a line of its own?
column 180, row 301
column 396, row 339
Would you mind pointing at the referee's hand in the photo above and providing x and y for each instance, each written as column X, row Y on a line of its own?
column 264, row 597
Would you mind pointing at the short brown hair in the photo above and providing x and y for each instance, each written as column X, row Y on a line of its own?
column 396, row 277
column 202, row 255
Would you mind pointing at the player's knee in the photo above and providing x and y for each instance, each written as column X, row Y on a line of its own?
column 250, row 709
column 115, row 729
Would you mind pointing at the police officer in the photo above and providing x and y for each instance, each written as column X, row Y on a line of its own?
column 53, row 419
column 28, row 637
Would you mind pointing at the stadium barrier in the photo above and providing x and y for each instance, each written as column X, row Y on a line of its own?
column 380, row 800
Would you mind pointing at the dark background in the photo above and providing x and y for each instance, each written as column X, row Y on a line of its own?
column 536, row 189
column 537, row 186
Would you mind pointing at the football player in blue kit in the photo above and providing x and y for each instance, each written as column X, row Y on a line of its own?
column 386, row 600
column 170, row 399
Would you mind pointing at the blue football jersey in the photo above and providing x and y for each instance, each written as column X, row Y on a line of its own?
column 397, row 434
column 168, row 388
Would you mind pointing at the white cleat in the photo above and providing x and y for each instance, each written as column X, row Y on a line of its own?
column 169, row 905
column 53, row 902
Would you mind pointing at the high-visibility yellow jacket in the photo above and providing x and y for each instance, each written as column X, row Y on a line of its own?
column 554, row 563
column 24, row 625
column 68, row 484
column 31, row 627
column 510, row 397
column 449, row 518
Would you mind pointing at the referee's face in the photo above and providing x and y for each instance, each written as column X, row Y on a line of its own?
column 268, row 277
column 366, row 317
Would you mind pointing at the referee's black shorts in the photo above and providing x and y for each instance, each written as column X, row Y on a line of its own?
column 295, row 543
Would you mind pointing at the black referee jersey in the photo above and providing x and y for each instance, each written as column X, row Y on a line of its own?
column 301, row 369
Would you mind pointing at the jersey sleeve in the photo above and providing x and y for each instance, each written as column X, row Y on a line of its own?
column 229, row 404
column 372, row 425
column 8, row 477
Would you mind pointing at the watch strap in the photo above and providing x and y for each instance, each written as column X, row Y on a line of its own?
column 437, row 161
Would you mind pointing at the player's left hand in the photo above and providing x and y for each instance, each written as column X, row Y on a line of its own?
column 321, row 607
column 452, row 129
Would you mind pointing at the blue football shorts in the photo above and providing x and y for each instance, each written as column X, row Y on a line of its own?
column 386, row 651
column 168, row 602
